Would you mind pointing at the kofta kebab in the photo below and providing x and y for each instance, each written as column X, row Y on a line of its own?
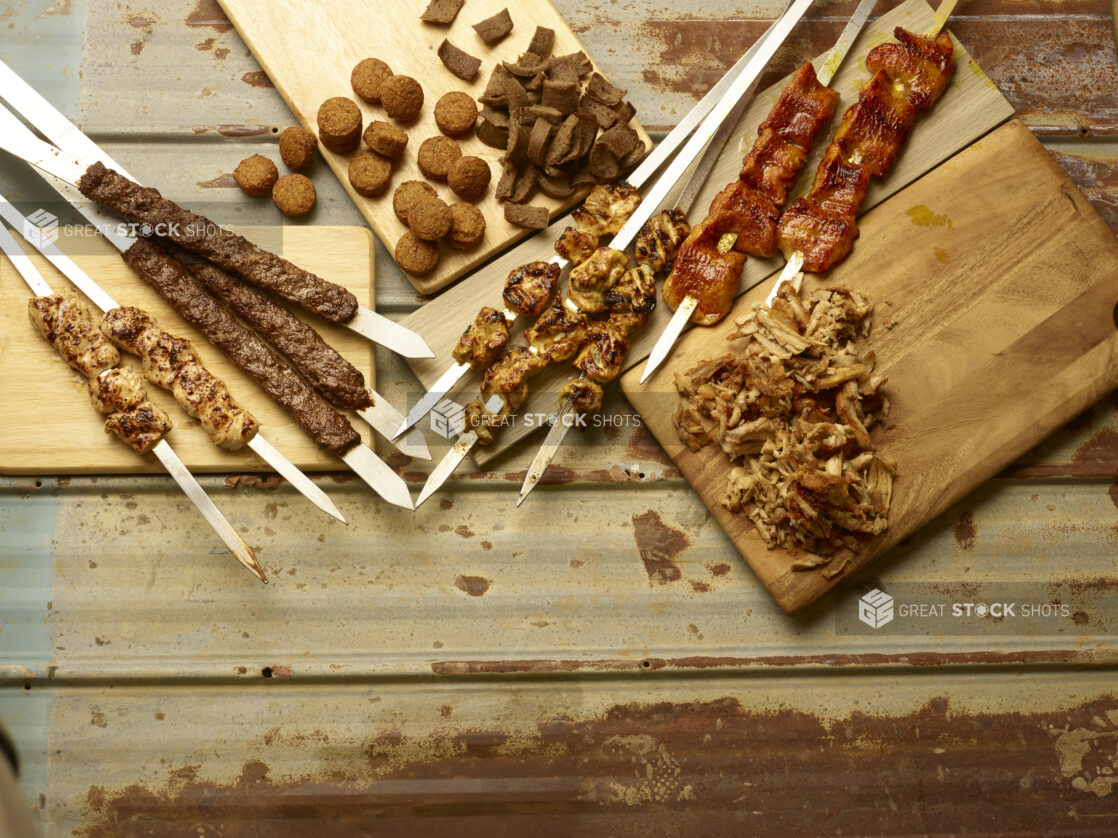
column 816, row 231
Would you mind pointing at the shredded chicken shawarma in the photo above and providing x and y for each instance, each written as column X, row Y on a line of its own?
column 792, row 407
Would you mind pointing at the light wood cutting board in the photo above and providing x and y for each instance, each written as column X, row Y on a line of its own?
column 50, row 426
column 308, row 50
column 970, row 108
column 1002, row 285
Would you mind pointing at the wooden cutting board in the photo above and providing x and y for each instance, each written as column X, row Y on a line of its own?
column 995, row 287
column 970, row 108
column 308, row 50
column 50, row 426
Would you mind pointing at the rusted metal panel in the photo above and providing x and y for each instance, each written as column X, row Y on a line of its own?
column 599, row 662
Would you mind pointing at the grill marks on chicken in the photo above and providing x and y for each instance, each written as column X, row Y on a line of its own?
column 746, row 213
column 558, row 332
column 169, row 362
column 479, row 344
column 659, row 239
column 607, row 208
column 529, row 287
column 792, row 408
column 329, row 429
column 590, row 281
column 576, row 245
column 226, row 249
column 908, row 77
column 585, row 396
column 66, row 323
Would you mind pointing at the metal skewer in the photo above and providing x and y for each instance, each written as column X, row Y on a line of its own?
column 729, row 101
column 84, row 283
column 162, row 449
column 638, row 178
column 44, row 116
column 17, row 139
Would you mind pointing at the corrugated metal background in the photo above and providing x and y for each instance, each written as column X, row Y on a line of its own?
column 600, row 661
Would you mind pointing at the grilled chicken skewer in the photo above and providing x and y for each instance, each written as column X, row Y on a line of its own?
column 192, row 231
column 743, row 217
column 199, row 393
column 592, row 279
column 66, row 324
column 573, row 247
column 908, row 77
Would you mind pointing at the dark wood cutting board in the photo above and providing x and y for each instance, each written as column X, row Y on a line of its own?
column 995, row 287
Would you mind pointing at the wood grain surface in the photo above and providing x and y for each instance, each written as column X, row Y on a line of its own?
column 970, row 108
column 995, row 287
column 309, row 64
column 50, row 426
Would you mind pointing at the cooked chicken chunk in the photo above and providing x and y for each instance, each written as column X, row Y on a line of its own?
column 481, row 342
column 67, row 325
column 205, row 397
column 511, row 373
column 635, row 292
column 585, row 396
column 602, row 353
column 558, row 332
column 529, row 287
column 659, row 239
column 140, row 427
column 576, row 245
column 116, row 389
column 607, row 208
column 590, row 281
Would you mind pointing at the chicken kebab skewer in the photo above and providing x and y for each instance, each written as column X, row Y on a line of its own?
column 601, row 283
column 817, row 231
column 103, row 181
column 64, row 322
column 804, row 107
column 482, row 340
column 171, row 363
column 330, row 430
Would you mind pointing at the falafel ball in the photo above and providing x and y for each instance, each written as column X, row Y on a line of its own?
column 467, row 226
column 294, row 195
column 436, row 156
column 402, row 98
column 369, row 173
column 256, row 175
column 386, row 139
column 469, row 177
column 456, row 113
column 368, row 77
column 297, row 146
column 339, row 124
column 429, row 218
column 407, row 194
column 415, row 255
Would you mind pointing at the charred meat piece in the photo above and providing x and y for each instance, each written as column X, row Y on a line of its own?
column 840, row 182
column 65, row 323
column 627, row 322
column 590, row 281
column 222, row 247
column 115, row 390
column 529, row 287
column 509, row 376
column 481, row 342
column 140, row 427
column 558, row 333
column 659, row 239
column 635, row 292
column 748, row 215
column 482, row 416
column 875, row 128
column 607, row 208
column 329, row 429
column 771, row 167
column 601, row 355
column 804, row 108
column 585, row 396
column 576, row 245
column 922, row 66
column 331, row 374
